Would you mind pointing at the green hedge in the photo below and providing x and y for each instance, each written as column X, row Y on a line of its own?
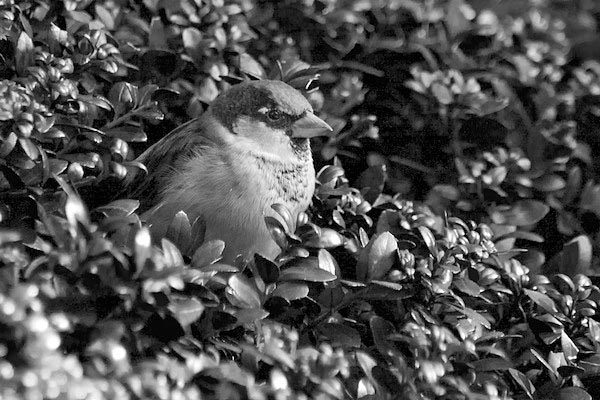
column 450, row 251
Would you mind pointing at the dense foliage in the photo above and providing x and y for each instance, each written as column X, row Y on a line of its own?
column 451, row 250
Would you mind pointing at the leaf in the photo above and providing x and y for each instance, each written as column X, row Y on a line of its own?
column 241, row 288
column 219, row 267
column 208, row 253
column 30, row 148
column 541, row 300
column 372, row 181
column 564, row 284
column 520, row 213
column 142, row 248
column 165, row 95
column 376, row 259
column 594, row 327
column 385, row 291
column 286, row 215
column 429, row 241
column 549, row 183
column 151, row 114
column 186, row 310
column 366, row 363
column 24, row 53
column 146, row 94
column 441, row 93
column 329, row 174
column 331, row 297
column 572, row 393
column 340, row 334
column 386, row 379
column 523, row 235
column 291, row 290
column 476, row 317
column 467, row 286
column 543, row 361
column 489, row 106
column 575, row 257
column 76, row 211
column 119, row 208
column 491, row 364
column 277, row 231
column 173, row 257
column 198, row 233
column 222, row 320
column 308, row 270
column 496, row 176
column 164, row 328
column 96, row 100
column 278, row 354
column 267, row 269
column 250, row 66
column 522, row 380
column 104, row 16
column 88, row 160
column 157, row 38
column 9, row 236
column 326, row 238
column 381, row 329
column 573, row 185
column 250, row 315
column 389, row 285
column 456, row 17
column 569, row 348
column 567, row 371
column 180, row 231
column 128, row 133
column 557, row 360
column 328, row 263
column 8, row 144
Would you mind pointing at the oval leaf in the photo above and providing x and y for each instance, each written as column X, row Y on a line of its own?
column 377, row 257
column 306, row 273
column 187, row 311
column 291, row 290
column 521, row 213
column 207, row 254
column 575, row 257
column 340, row 334
column 244, row 291
column 267, row 269
column 381, row 330
column 541, row 300
column 523, row 381
column 573, row 393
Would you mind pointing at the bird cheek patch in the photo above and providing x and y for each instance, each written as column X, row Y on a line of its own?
column 247, row 127
column 259, row 132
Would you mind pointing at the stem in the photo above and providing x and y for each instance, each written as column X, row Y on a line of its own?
column 454, row 130
column 345, row 301
column 125, row 117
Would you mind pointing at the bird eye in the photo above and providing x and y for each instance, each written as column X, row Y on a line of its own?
column 274, row 115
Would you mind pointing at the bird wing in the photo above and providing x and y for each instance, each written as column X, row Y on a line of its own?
column 164, row 157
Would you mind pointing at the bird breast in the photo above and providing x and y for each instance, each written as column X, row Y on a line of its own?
column 232, row 191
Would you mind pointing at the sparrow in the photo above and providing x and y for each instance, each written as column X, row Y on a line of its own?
column 249, row 150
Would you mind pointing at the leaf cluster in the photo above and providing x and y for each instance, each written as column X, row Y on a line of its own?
column 450, row 251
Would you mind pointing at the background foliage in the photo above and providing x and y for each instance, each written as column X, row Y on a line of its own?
column 451, row 250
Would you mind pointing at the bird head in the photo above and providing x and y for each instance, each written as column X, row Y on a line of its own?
column 268, row 116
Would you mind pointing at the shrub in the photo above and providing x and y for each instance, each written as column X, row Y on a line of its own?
column 450, row 251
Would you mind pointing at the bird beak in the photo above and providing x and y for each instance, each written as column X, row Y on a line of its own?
column 310, row 126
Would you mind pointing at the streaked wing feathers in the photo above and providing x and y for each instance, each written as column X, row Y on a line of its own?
column 163, row 157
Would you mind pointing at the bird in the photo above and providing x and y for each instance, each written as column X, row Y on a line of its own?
column 249, row 150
